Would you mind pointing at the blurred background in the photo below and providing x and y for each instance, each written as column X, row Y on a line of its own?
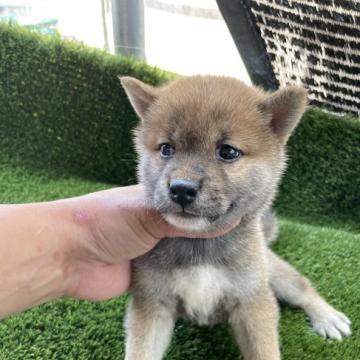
column 182, row 36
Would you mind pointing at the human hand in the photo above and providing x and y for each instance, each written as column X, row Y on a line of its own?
column 118, row 225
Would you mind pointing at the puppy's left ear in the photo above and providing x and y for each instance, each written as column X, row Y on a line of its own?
column 141, row 95
column 283, row 110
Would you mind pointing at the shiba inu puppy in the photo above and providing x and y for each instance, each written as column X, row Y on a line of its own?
column 211, row 151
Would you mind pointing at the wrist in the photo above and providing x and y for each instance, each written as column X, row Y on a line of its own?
column 35, row 257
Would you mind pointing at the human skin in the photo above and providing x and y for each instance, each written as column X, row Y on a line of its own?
column 79, row 247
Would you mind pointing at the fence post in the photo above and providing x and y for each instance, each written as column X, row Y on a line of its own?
column 128, row 25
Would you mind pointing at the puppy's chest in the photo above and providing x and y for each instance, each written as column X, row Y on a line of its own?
column 204, row 292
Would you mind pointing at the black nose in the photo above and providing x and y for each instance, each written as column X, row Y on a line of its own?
column 183, row 192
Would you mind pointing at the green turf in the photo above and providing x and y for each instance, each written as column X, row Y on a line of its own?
column 65, row 128
column 62, row 108
column 322, row 183
column 63, row 111
column 69, row 329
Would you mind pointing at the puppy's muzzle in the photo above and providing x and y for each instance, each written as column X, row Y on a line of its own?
column 183, row 192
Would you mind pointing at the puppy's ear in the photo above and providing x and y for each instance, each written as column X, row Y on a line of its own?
column 283, row 110
column 141, row 95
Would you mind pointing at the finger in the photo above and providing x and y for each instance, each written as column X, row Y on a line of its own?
column 130, row 192
column 174, row 232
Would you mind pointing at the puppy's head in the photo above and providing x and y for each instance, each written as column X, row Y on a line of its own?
column 211, row 149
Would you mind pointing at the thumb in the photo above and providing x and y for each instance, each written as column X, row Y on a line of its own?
column 174, row 232
column 160, row 228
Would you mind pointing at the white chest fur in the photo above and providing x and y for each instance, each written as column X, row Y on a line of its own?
column 201, row 288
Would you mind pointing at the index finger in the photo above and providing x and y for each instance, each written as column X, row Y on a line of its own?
column 175, row 232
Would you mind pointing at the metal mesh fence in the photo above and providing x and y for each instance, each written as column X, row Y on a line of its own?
column 316, row 44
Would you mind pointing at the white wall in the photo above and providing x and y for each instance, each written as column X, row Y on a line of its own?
column 176, row 42
column 191, row 45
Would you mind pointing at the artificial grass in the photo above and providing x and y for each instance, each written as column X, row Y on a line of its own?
column 63, row 111
column 70, row 329
column 65, row 129
column 322, row 182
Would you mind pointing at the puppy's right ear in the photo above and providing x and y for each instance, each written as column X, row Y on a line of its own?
column 141, row 95
column 283, row 109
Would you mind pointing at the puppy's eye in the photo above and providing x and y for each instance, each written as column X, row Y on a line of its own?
column 228, row 153
column 166, row 150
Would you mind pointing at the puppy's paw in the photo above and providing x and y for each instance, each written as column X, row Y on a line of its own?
column 331, row 324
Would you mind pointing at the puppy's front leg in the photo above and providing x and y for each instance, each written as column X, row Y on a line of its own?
column 289, row 285
column 148, row 328
column 255, row 326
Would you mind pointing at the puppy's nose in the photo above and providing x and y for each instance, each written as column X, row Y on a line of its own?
column 183, row 191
